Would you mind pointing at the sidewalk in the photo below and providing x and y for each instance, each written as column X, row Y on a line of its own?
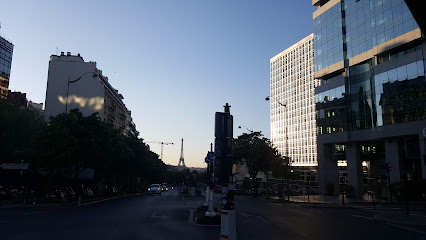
column 383, row 211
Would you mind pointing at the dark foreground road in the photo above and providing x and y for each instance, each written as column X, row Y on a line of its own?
column 166, row 217
column 293, row 221
column 138, row 217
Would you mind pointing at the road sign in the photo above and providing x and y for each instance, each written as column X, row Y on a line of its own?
column 210, row 157
column 14, row 166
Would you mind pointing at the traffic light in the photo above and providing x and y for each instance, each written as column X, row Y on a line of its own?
column 223, row 146
column 388, row 167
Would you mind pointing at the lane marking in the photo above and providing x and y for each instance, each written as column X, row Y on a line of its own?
column 358, row 216
column 407, row 228
column 191, row 216
column 154, row 215
column 102, row 200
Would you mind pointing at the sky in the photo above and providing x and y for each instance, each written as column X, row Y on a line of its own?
column 176, row 62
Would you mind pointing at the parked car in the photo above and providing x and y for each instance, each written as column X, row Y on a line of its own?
column 155, row 189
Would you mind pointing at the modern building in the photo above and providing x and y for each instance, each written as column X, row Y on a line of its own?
column 74, row 83
column 371, row 104
column 292, row 103
column 6, row 52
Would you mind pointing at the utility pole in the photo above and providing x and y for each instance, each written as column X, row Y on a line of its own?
column 223, row 171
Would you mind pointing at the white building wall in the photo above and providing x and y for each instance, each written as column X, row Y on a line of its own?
column 293, row 84
column 87, row 94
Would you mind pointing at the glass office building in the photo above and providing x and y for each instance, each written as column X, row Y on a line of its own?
column 6, row 51
column 292, row 96
column 370, row 106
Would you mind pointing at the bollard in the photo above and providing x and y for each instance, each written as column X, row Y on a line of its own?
column 206, row 203
column 210, row 212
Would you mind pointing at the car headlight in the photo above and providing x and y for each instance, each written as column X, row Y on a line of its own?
column 149, row 189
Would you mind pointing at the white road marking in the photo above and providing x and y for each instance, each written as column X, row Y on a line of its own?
column 407, row 228
column 358, row 216
column 102, row 200
column 191, row 215
column 154, row 215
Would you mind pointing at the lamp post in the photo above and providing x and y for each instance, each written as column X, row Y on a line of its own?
column 95, row 75
column 251, row 131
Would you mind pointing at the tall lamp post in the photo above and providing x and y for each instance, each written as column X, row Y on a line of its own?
column 95, row 75
column 268, row 98
column 251, row 131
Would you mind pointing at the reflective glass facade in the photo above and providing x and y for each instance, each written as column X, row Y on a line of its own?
column 331, row 110
column 385, row 89
column 360, row 96
column 350, row 28
column 328, row 38
column 370, row 23
column 401, row 94
column 6, row 51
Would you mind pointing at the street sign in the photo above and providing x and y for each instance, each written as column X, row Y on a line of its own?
column 210, row 157
column 14, row 166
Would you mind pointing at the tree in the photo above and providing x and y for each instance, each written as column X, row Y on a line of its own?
column 70, row 143
column 18, row 126
column 256, row 152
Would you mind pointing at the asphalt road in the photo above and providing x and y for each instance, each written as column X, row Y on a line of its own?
column 295, row 221
column 167, row 217
column 138, row 217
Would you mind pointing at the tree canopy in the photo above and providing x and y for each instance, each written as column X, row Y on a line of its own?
column 257, row 153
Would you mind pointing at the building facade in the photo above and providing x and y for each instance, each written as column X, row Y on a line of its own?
column 292, row 103
column 370, row 105
column 6, row 52
column 90, row 93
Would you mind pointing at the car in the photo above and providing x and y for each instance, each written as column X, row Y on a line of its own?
column 164, row 188
column 155, row 189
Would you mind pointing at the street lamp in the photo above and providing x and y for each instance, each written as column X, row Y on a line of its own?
column 286, row 124
column 251, row 131
column 95, row 75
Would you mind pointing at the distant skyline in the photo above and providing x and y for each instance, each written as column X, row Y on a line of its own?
column 175, row 62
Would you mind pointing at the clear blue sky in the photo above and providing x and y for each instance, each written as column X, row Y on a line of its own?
column 176, row 62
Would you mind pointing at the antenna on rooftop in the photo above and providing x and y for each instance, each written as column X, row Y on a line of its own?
column 57, row 50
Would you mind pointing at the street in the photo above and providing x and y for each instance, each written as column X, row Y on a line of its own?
column 137, row 217
column 166, row 217
column 295, row 221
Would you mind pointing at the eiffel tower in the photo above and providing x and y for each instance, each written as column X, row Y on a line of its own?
column 181, row 160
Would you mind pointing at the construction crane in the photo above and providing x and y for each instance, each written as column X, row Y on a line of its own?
column 162, row 144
